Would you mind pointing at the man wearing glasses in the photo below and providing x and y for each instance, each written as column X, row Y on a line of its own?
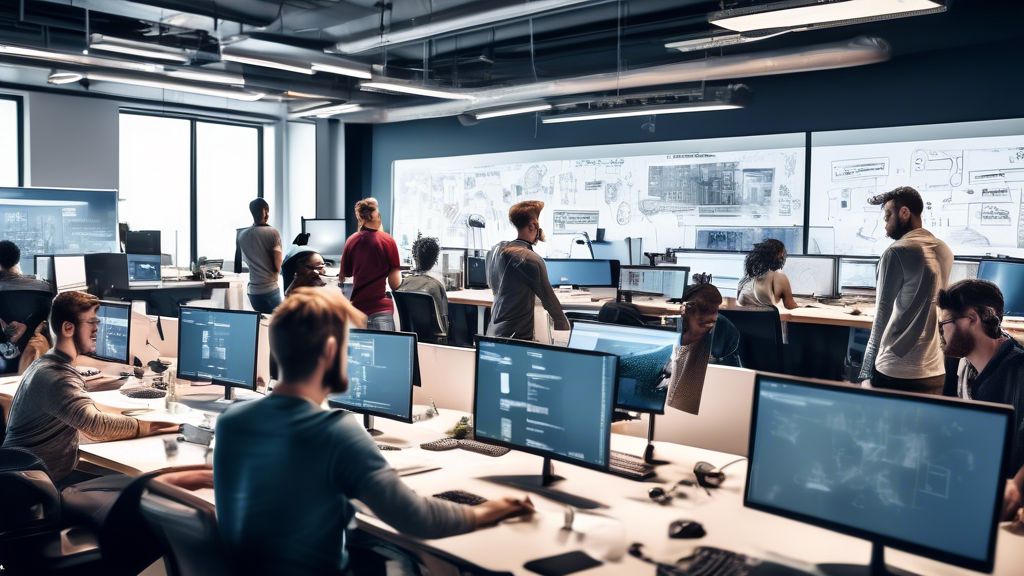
column 303, row 269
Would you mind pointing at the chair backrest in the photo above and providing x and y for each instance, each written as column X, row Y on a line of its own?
column 418, row 313
column 30, row 307
column 760, row 337
column 623, row 313
column 187, row 527
column 30, row 503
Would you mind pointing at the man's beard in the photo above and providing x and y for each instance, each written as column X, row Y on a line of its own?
column 900, row 230
column 959, row 345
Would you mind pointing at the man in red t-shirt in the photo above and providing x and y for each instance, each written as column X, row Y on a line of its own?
column 371, row 258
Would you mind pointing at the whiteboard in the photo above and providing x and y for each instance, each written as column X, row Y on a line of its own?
column 689, row 194
column 970, row 176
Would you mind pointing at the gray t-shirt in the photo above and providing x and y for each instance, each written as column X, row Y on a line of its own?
column 516, row 274
column 257, row 244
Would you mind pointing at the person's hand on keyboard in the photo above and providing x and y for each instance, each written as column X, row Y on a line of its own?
column 154, row 427
column 494, row 511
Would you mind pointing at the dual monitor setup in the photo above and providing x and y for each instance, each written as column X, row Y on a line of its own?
column 104, row 271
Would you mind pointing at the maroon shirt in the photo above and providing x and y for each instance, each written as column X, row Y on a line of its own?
column 368, row 257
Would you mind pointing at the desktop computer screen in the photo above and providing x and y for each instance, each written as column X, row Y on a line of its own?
column 143, row 267
column 660, row 281
column 545, row 400
column 326, row 236
column 963, row 270
column 612, row 250
column 69, row 273
column 584, row 273
column 113, row 333
column 726, row 268
column 476, row 272
column 644, row 355
column 382, row 368
column 218, row 345
column 1009, row 276
column 811, row 275
column 142, row 242
column 923, row 474
column 857, row 273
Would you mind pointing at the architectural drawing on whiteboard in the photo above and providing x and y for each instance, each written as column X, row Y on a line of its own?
column 624, row 214
column 575, row 222
column 936, row 169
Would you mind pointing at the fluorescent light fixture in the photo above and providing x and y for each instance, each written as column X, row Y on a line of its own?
column 207, row 76
column 641, row 111
column 790, row 13
column 713, row 42
column 414, row 89
column 217, row 92
column 141, row 52
column 61, row 77
column 342, row 70
column 266, row 63
column 294, row 94
column 483, row 115
column 19, row 51
column 328, row 111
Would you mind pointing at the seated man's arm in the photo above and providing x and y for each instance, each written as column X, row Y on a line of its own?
column 188, row 477
column 73, row 407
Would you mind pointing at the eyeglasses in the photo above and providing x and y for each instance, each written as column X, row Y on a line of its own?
column 950, row 321
column 93, row 322
column 317, row 267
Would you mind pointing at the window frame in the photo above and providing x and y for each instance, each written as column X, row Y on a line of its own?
column 19, row 104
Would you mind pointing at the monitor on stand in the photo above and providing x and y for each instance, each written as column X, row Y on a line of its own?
column 1009, row 276
column 857, row 276
column 653, row 282
column 581, row 273
column 545, row 400
column 114, row 332
column 923, row 474
column 326, row 236
column 219, row 347
column 142, row 242
column 382, row 370
column 611, row 250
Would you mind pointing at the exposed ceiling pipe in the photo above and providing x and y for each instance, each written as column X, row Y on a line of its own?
column 253, row 12
column 856, row 52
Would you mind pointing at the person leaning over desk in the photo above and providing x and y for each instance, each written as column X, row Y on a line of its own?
column 763, row 284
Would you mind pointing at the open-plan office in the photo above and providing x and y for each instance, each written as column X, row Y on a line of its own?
column 702, row 287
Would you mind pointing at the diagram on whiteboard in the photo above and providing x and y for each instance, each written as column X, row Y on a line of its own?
column 971, row 188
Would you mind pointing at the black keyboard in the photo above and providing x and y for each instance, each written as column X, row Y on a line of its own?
column 143, row 393
column 441, row 444
column 461, row 497
column 630, row 466
column 386, row 447
column 481, row 448
column 707, row 561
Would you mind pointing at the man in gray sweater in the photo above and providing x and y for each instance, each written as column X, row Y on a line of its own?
column 51, row 406
column 903, row 352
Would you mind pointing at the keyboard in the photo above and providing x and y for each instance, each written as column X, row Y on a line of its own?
column 630, row 466
column 461, row 497
column 384, row 447
column 707, row 561
column 143, row 393
column 481, row 448
column 441, row 444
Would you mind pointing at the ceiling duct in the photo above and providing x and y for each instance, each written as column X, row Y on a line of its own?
column 252, row 12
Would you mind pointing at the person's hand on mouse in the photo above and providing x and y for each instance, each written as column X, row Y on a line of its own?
column 493, row 511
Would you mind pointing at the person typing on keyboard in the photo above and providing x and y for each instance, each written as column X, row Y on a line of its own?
column 287, row 469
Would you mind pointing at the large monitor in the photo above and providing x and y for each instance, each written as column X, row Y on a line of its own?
column 218, row 346
column 142, row 242
column 656, row 282
column 58, row 221
column 644, row 355
column 612, row 250
column 144, row 268
column 114, row 332
column 382, row 369
column 1009, row 276
column 924, row 474
column 69, row 273
column 726, row 268
column 579, row 272
column 106, row 272
column 857, row 274
column 811, row 275
column 326, row 236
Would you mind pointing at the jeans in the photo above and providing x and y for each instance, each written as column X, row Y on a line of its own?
column 929, row 385
column 384, row 321
column 266, row 303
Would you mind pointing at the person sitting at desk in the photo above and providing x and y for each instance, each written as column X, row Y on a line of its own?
column 303, row 269
column 51, row 406
column 287, row 469
column 516, row 274
column 11, row 277
column 762, row 283
column 991, row 362
column 261, row 249
column 701, row 301
column 425, row 251
column 370, row 258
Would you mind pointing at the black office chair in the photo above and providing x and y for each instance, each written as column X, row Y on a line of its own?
column 760, row 346
column 30, row 307
column 418, row 313
column 187, row 527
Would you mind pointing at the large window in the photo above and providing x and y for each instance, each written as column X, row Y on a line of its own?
column 227, row 179
column 301, row 176
column 10, row 140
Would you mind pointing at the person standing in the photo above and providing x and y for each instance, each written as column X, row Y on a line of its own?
column 370, row 258
column 763, row 284
column 516, row 274
column 903, row 352
column 262, row 252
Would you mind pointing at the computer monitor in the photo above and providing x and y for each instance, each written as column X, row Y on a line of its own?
column 857, row 274
column 43, row 265
column 924, row 474
column 1009, row 276
column 382, row 369
column 582, row 273
column 963, row 270
column 69, row 273
column 546, row 400
column 218, row 346
column 726, row 268
column 114, row 332
column 811, row 275
column 106, row 272
column 326, row 236
column 612, row 250
column 476, row 272
column 142, row 242
column 657, row 282
column 144, row 268
column 644, row 355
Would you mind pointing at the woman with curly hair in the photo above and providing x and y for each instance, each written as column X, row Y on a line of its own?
column 762, row 283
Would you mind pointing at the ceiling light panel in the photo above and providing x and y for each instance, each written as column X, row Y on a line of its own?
column 267, row 64
column 216, row 92
column 641, row 111
column 808, row 12
column 342, row 70
column 415, row 90
column 485, row 114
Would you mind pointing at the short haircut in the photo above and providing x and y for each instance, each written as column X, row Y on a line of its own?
column 764, row 257
column 365, row 209
column 301, row 325
column 68, row 307
column 520, row 214
column 10, row 254
column 977, row 294
column 902, row 196
column 256, row 208
column 425, row 251
column 705, row 298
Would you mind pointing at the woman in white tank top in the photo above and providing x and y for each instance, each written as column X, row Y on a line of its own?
column 762, row 283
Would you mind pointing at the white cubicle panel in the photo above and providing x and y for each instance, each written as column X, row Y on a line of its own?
column 723, row 423
column 448, row 375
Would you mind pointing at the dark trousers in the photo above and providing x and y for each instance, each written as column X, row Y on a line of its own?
column 930, row 385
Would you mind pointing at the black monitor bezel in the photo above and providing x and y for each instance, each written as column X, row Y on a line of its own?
column 543, row 454
column 1018, row 262
column 217, row 381
column 465, row 270
column 911, row 547
column 128, row 348
column 613, row 269
column 148, row 233
column 619, row 291
column 679, row 338
column 159, row 268
column 839, row 272
column 333, row 401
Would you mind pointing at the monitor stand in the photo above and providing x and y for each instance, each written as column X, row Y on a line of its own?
column 228, row 399
column 368, row 424
column 542, row 485
column 876, row 568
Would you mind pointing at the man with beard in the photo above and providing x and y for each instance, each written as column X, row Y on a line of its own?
column 903, row 351
column 287, row 469
column 991, row 361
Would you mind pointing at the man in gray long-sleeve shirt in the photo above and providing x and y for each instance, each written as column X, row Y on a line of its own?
column 903, row 352
column 516, row 274
column 286, row 470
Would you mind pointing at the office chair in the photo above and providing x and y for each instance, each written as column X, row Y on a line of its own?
column 30, row 307
column 418, row 313
column 187, row 527
column 760, row 345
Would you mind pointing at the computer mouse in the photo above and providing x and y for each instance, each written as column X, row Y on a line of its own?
column 686, row 529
